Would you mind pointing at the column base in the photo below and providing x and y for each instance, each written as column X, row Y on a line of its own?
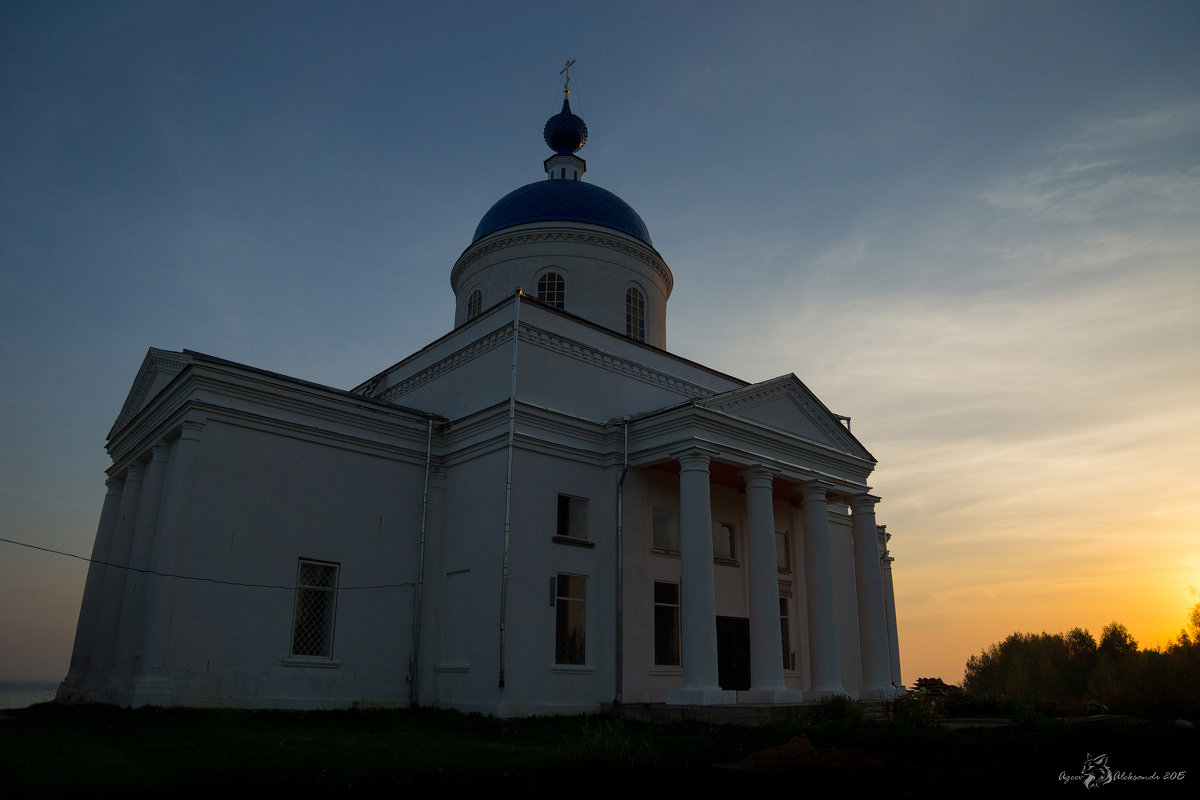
column 776, row 696
column 702, row 697
column 877, row 693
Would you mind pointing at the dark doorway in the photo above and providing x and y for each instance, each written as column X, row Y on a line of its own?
column 733, row 653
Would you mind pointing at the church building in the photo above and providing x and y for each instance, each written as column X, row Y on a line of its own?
column 543, row 511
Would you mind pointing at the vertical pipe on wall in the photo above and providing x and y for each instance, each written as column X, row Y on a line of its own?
column 512, row 424
column 619, row 650
column 415, row 651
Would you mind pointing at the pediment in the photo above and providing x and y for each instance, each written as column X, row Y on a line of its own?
column 159, row 368
column 787, row 405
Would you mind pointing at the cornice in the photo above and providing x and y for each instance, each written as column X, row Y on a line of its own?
column 646, row 255
column 751, row 396
column 156, row 362
column 452, row 362
column 605, row 360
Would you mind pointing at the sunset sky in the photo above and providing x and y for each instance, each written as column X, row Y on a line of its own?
column 973, row 227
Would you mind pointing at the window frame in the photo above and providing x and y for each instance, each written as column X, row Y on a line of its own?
column 569, row 652
column 474, row 303
column 302, row 611
column 635, row 313
column 655, row 544
column 786, row 536
column 675, row 624
column 732, row 558
column 555, row 297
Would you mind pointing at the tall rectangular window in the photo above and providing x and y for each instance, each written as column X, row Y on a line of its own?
column 785, row 633
column 666, row 530
column 316, row 605
column 570, row 619
column 666, row 623
column 572, row 517
column 783, row 551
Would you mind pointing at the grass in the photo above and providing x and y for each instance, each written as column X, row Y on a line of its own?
column 69, row 751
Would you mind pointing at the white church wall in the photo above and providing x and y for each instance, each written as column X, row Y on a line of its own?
column 467, row 666
column 536, row 682
column 260, row 503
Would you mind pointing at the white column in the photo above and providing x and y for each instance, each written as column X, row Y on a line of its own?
column 89, row 611
column 872, row 618
column 889, row 603
column 151, row 680
column 824, row 655
column 698, row 607
column 125, row 652
column 99, row 672
column 766, row 643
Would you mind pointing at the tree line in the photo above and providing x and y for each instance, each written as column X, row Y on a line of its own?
column 1075, row 672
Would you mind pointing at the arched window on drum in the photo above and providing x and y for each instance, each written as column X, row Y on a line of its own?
column 552, row 290
column 474, row 304
column 635, row 314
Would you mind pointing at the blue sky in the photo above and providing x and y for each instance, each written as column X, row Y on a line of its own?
column 971, row 226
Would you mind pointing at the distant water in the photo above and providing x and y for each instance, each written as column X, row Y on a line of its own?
column 19, row 694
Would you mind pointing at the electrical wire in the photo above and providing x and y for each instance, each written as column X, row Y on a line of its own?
column 194, row 577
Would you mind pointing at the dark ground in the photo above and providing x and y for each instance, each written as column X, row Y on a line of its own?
column 74, row 751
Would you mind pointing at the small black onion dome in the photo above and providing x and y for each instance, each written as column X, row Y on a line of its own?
column 565, row 132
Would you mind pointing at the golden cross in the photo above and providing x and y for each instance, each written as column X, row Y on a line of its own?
column 567, row 71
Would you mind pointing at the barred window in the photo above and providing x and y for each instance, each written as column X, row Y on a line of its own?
column 635, row 314
column 552, row 290
column 474, row 304
column 666, row 623
column 570, row 612
column 316, row 604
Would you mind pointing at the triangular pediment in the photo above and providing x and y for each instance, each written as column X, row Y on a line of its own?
column 787, row 405
column 159, row 368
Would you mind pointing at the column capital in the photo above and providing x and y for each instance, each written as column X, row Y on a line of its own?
column 134, row 471
column 865, row 502
column 160, row 451
column 810, row 489
column 694, row 458
column 190, row 429
column 759, row 475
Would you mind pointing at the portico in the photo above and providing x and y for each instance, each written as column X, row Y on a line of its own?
column 770, row 545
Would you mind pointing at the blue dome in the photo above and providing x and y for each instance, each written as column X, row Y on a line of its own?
column 562, row 201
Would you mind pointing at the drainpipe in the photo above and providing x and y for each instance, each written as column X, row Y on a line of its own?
column 512, row 425
column 415, row 651
column 620, row 648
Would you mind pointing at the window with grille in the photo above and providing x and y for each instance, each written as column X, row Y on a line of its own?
column 552, row 289
column 316, row 604
column 474, row 304
column 570, row 618
column 666, row 623
column 635, row 314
